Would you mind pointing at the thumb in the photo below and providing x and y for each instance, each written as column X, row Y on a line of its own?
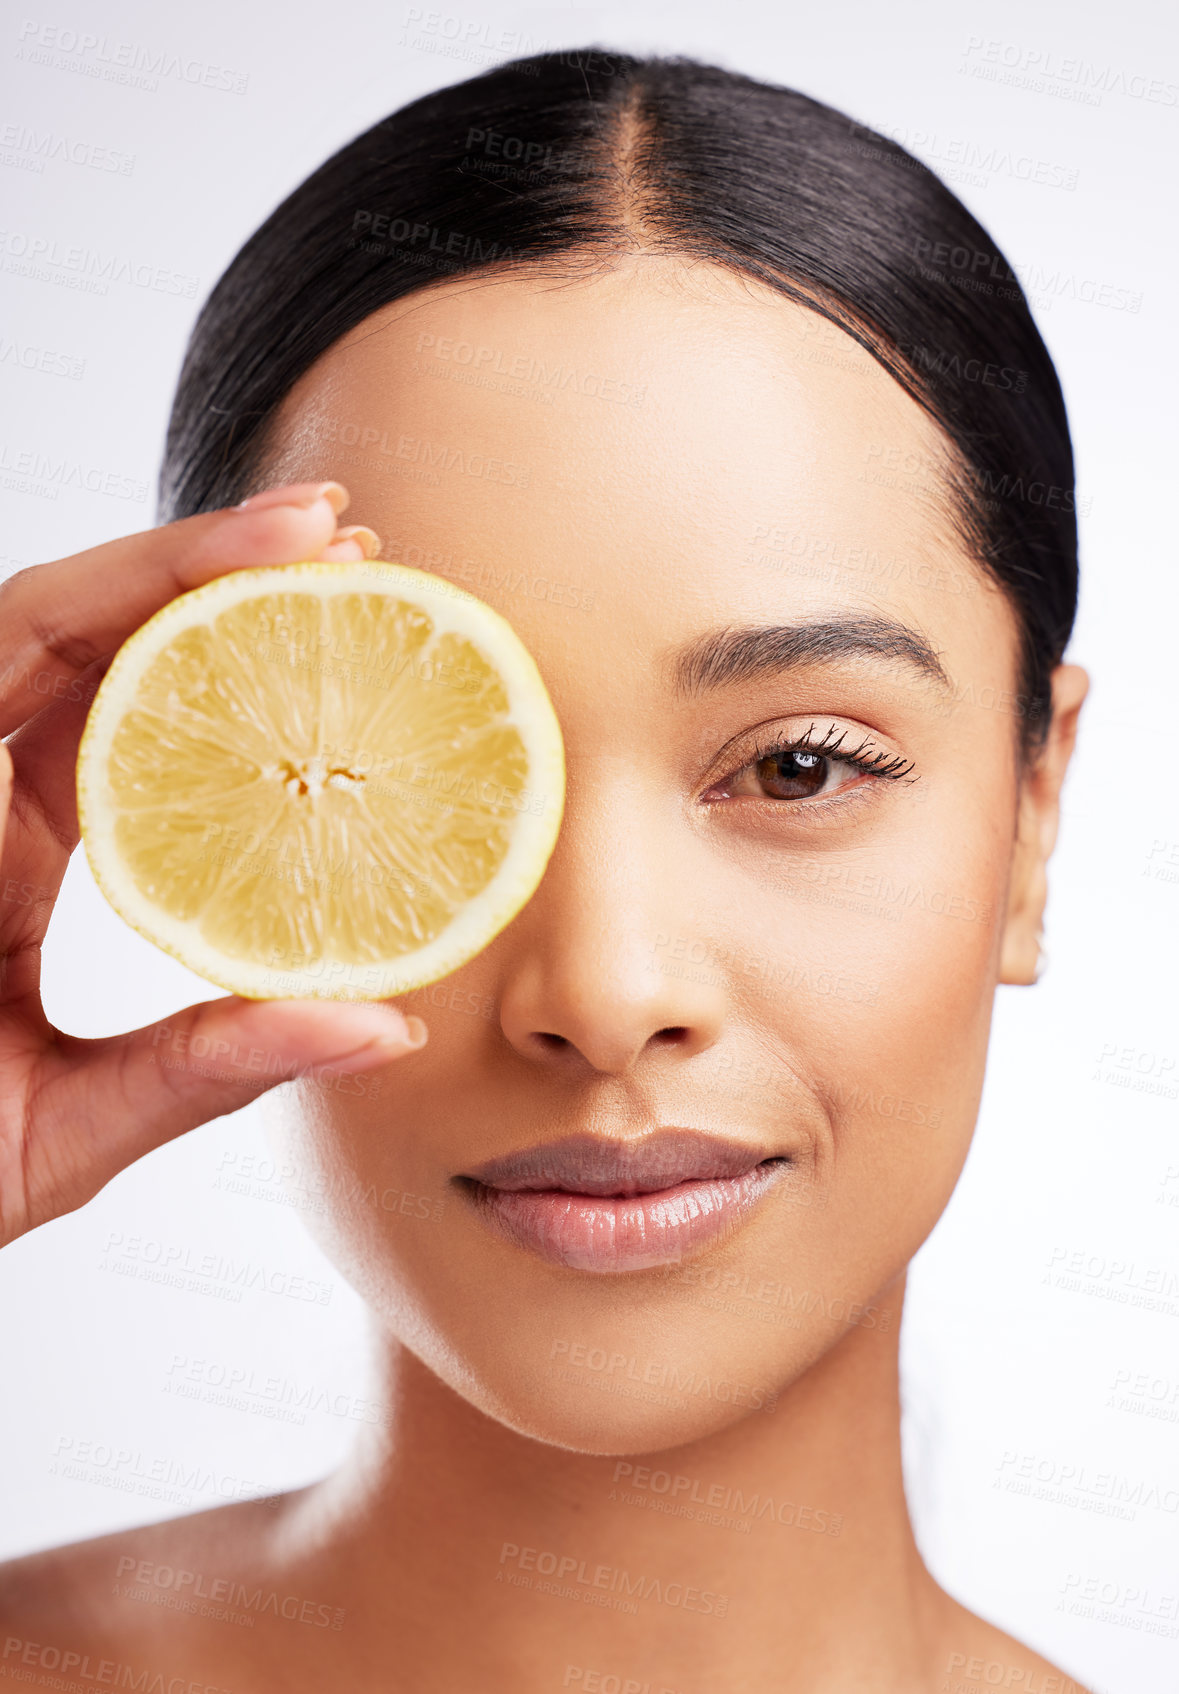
column 109, row 1102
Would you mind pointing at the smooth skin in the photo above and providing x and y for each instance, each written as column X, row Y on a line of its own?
column 814, row 976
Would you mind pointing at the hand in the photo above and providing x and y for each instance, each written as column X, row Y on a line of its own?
column 73, row 1113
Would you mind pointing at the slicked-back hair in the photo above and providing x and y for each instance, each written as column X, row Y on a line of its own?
column 552, row 159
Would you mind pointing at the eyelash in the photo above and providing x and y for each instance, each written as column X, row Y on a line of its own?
column 875, row 764
column 863, row 758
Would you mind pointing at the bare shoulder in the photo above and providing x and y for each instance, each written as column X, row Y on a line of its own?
column 143, row 1598
column 976, row 1656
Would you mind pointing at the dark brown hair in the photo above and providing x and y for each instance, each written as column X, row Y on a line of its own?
column 552, row 157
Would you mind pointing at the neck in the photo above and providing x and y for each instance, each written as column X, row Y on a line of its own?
column 777, row 1553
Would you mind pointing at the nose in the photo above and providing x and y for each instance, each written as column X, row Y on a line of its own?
column 592, row 981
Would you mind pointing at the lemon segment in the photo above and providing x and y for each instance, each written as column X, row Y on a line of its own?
column 321, row 780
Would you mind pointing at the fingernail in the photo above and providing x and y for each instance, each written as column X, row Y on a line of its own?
column 366, row 539
column 301, row 494
column 379, row 1047
column 387, row 1025
column 370, row 1036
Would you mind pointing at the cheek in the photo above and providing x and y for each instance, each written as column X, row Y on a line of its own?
column 886, row 968
column 856, row 998
column 374, row 1202
column 904, row 1097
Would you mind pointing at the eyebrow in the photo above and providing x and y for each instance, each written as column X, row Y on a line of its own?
column 723, row 657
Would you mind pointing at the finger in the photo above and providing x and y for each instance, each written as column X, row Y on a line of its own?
column 42, row 821
column 6, row 783
column 353, row 543
column 24, row 914
column 23, row 904
column 46, row 744
column 58, row 618
column 44, row 816
column 103, row 1104
column 43, row 828
column 44, row 755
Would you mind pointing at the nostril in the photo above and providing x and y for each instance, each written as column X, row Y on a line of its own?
column 553, row 1042
column 672, row 1036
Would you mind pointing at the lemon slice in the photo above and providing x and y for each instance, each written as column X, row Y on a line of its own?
column 321, row 780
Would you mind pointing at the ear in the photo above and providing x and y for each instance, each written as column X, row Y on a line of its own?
column 1037, row 823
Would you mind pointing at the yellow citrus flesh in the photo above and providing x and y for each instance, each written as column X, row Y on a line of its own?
column 321, row 780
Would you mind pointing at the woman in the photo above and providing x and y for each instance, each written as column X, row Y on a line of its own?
column 742, row 421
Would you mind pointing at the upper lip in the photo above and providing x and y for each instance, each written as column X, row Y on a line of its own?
column 592, row 1164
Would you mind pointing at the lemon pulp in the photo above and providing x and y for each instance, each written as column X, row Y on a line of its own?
column 321, row 779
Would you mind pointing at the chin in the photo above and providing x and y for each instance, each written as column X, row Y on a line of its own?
column 636, row 1373
column 614, row 1417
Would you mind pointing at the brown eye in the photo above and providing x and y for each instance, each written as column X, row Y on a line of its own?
column 792, row 776
column 813, row 772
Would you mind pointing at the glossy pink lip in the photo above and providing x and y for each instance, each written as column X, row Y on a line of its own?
column 611, row 1206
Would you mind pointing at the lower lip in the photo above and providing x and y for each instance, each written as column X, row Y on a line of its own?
column 591, row 1233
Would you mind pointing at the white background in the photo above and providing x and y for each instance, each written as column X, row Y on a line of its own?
column 1010, row 1369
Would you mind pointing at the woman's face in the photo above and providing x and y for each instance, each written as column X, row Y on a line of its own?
column 793, row 954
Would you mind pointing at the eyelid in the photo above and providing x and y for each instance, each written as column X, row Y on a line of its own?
column 820, row 732
column 860, row 753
